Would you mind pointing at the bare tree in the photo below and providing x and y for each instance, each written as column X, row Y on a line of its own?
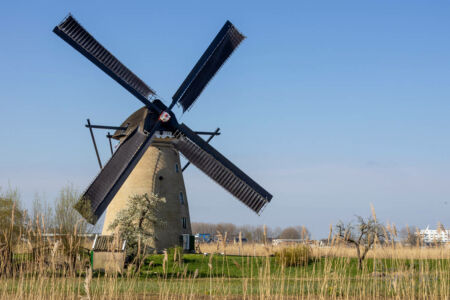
column 304, row 232
column 69, row 225
column 11, row 228
column 409, row 235
column 246, row 232
column 274, row 232
column 42, row 216
column 229, row 228
column 251, row 232
column 200, row 227
column 363, row 235
column 290, row 233
column 258, row 234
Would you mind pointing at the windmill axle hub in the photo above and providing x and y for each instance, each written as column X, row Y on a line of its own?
column 164, row 117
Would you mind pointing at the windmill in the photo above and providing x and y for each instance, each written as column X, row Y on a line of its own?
column 147, row 159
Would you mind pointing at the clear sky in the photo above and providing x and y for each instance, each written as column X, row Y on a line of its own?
column 330, row 105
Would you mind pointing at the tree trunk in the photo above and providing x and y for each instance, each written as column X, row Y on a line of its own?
column 360, row 259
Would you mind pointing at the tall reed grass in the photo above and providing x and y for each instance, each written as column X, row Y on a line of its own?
column 37, row 263
column 390, row 272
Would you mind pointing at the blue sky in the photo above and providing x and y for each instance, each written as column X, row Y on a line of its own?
column 330, row 105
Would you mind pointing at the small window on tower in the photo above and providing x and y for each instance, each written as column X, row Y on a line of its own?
column 176, row 168
column 181, row 198
column 183, row 221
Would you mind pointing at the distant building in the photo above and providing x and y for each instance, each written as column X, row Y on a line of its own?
column 276, row 242
column 203, row 238
column 434, row 235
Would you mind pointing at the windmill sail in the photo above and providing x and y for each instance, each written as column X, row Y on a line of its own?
column 102, row 190
column 156, row 116
column 220, row 169
column 215, row 55
column 74, row 34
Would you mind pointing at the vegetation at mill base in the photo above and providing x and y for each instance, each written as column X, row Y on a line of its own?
column 136, row 222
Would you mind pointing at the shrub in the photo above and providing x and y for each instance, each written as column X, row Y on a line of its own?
column 299, row 255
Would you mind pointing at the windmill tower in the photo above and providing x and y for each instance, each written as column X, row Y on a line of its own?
column 158, row 172
column 147, row 160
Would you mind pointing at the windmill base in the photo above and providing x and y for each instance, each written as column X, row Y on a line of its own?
column 158, row 172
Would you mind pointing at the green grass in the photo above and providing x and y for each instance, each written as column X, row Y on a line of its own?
column 229, row 266
column 250, row 267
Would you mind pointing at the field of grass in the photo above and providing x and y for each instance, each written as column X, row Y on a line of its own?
column 249, row 267
column 249, row 277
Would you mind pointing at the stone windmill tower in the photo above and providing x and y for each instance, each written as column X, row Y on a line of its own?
column 147, row 160
column 158, row 172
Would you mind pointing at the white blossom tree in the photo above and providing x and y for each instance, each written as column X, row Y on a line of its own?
column 136, row 223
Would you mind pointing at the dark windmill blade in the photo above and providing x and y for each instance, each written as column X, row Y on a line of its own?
column 215, row 55
column 74, row 34
column 220, row 169
column 102, row 190
column 211, row 136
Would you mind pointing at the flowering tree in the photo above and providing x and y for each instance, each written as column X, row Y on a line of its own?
column 136, row 223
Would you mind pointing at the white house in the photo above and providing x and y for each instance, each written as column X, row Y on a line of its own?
column 432, row 235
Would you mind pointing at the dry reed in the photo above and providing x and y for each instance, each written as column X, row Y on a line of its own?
column 42, row 270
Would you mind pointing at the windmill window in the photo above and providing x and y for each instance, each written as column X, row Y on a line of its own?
column 177, row 169
column 183, row 222
column 181, row 198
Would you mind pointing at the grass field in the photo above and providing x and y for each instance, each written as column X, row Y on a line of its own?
column 248, row 277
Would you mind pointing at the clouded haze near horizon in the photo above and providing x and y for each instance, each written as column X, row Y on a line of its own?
column 330, row 105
